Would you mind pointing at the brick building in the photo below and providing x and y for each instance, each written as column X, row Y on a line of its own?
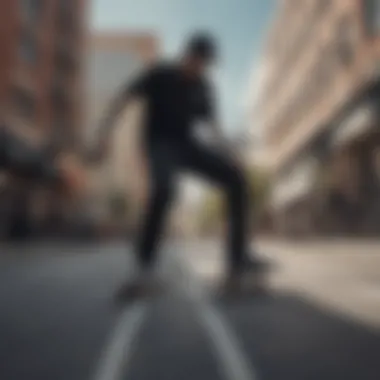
column 41, row 71
column 41, row 48
column 319, row 111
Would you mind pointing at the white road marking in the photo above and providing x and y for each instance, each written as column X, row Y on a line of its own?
column 114, row 361
column 231, row 357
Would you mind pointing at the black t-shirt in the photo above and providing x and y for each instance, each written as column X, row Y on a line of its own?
column 174, row 102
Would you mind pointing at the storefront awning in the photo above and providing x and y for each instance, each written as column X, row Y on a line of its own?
column 356, row 123
column 295, row 185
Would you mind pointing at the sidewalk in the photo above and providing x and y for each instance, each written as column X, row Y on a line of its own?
column 343, row 276
column 333, row 245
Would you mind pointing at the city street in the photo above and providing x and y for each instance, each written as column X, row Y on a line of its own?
column 58, row 318
column 107, row 106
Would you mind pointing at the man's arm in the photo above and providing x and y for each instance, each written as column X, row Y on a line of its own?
column 209, row 114
column 106, row 126
column 218, row 134
column 108, row 121
column 138, row 88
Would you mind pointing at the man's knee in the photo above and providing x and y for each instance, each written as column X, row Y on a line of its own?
column 162, row 193
column 237, row 181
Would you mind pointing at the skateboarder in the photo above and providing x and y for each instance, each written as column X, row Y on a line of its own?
column 177, row 95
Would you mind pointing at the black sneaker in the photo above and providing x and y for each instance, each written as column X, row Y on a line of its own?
column 253, row 264
column 242, row 285
column 249, row 279
column 230, row 286
column 139, row 288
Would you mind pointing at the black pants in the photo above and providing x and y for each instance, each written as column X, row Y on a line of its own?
column 166, row 159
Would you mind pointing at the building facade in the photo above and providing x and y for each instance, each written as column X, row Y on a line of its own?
column 41, row 72
column 113, row 60
column 318, row 110
column 41, row 49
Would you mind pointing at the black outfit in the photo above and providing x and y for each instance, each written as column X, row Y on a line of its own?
column 175, row 102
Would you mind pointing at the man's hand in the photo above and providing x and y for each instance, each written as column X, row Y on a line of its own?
column 228, row 149
column 103, row 149
column 233, row 153
column 100, row 152
column 223, row 144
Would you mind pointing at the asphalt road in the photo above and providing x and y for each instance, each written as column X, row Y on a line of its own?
column 58, row 320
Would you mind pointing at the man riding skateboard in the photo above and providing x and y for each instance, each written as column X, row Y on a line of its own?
column 178, row 95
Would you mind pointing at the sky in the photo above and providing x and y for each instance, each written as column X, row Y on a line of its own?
column 240, row 26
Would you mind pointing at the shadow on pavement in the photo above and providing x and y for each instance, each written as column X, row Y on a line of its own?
column 173, row 345
column 288, row 337
column 56, row 314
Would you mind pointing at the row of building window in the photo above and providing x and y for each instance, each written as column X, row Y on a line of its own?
column 28, row 48
column 33, row 11
column 289, row 53
column 335, row 57
column 372, row 16
column 24, row 102
column 371, row 12
column 28, row 51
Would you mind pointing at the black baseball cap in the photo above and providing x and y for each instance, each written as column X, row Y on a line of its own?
column 202, row 45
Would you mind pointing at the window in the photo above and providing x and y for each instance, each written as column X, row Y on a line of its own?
column 23, row 103
column 32, row 9
column 59, row 132
column 322, row 6
column 376, row 160
column 59, row 99
column 65, row 17
column 325, row 68
column 371, row 14
column 61, row 117
column 345, row 41
column 64, row 64
column 28, row 48
column 65, row 5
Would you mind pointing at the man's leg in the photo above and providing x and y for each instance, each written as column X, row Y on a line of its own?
column 230, row 177
column 161, row 194
column 162, row 165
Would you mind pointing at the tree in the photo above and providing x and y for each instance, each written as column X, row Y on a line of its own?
column 118, row 204
column 211, row 214
column 259, row 192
